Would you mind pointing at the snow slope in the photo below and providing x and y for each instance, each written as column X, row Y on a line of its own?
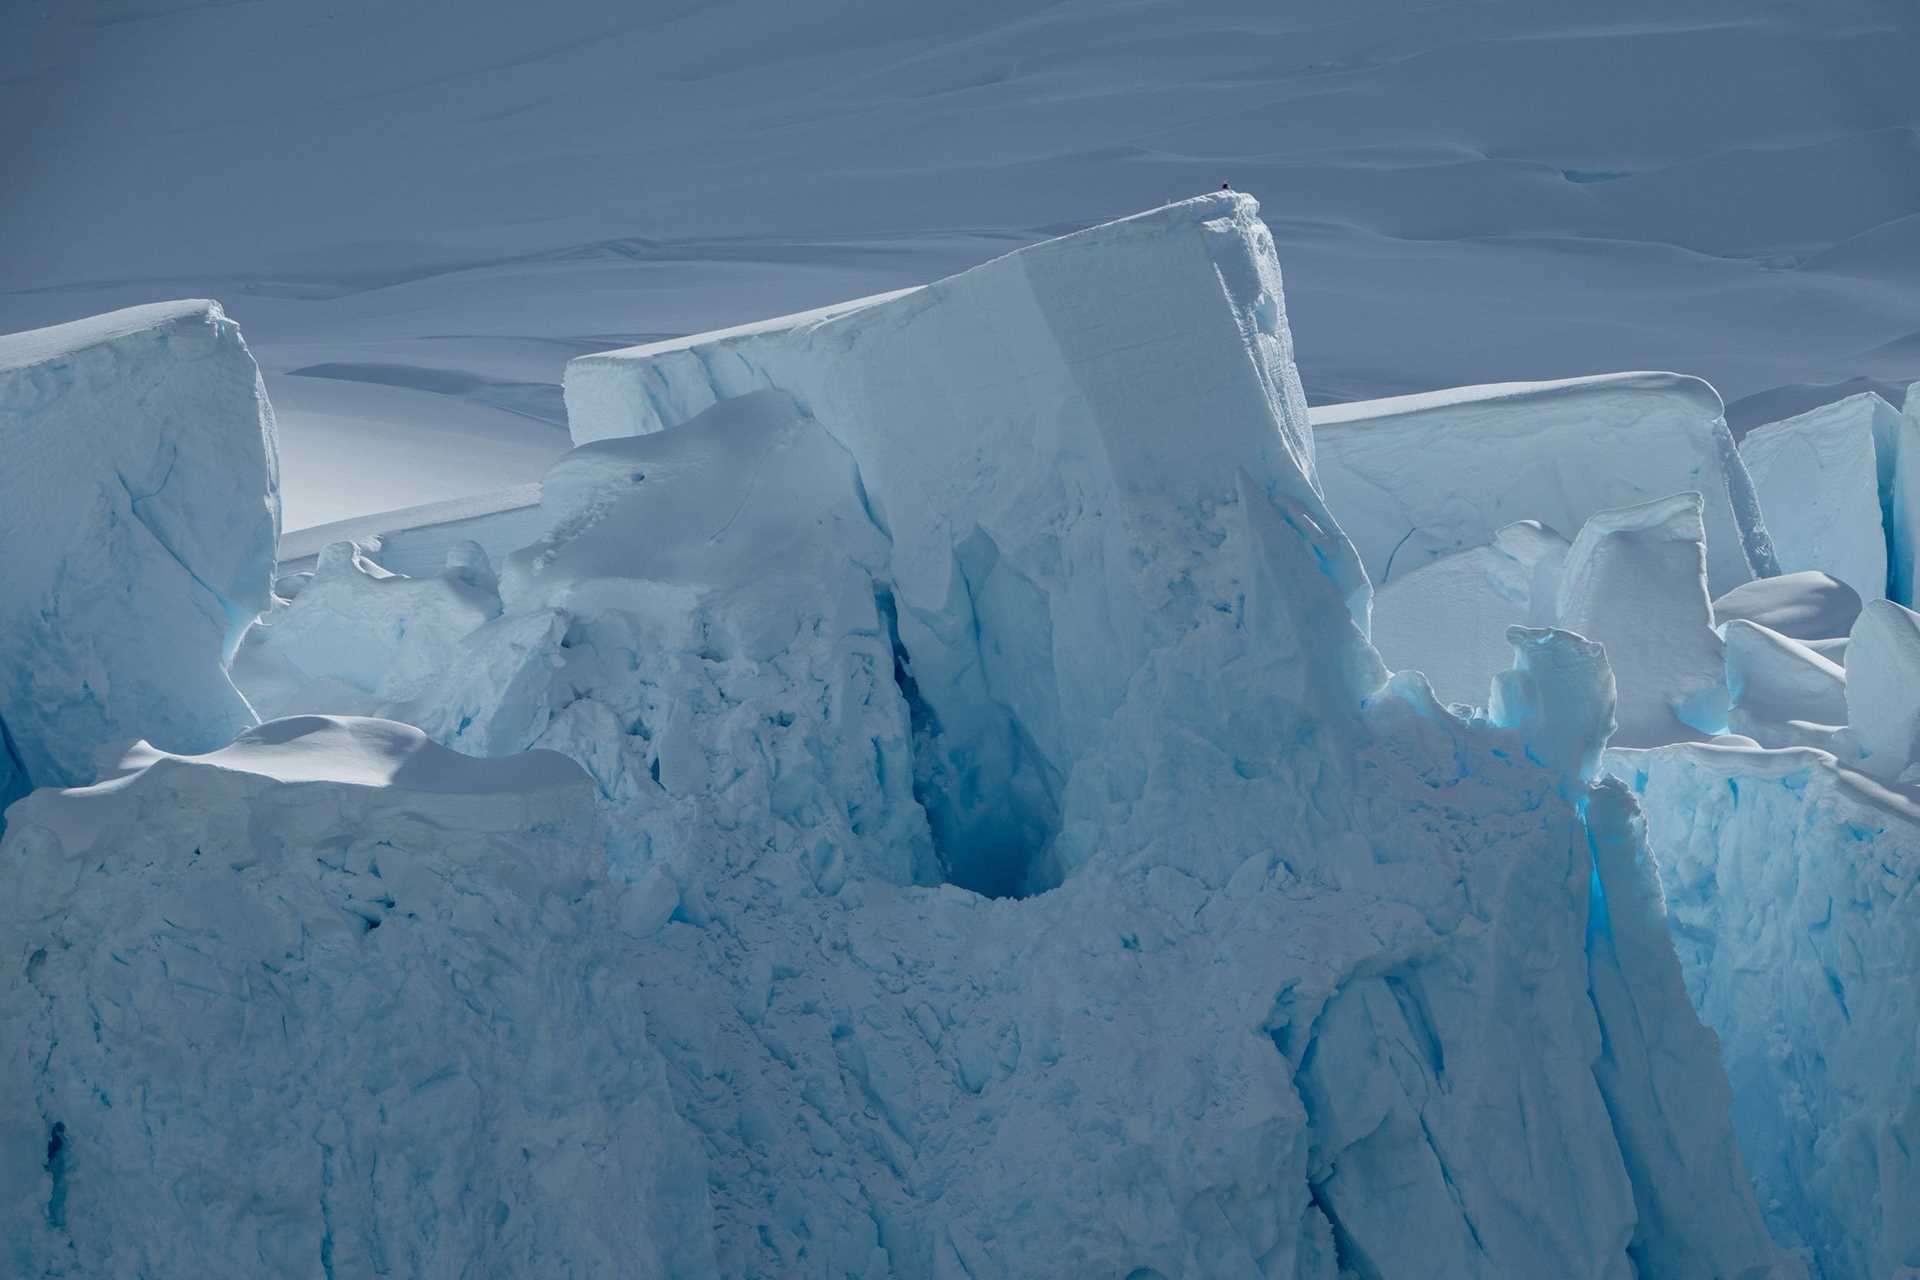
column 139, row 510
column 419, row 221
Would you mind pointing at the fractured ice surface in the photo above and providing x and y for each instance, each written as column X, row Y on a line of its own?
column 139, row 510
column 1883, row 687
column 332, row 1000
column 1416, row 477
column 1789, row 888
column 1249, row 960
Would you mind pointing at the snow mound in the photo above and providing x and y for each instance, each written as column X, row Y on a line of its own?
column 1413, row 478
column 1808, row 605
column 391, row 976
column 1788, row 885
column 140, row 511
column 1817, row 477
column 1636, row 581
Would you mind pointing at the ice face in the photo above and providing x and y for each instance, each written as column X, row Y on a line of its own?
column 1787, row 883
column 1635, row 580
column 1817, row 478
column 1448, row 619
column 356, row 999
column 1249, row 960
column 140, row 510
column 1774, row 681
column 1883, row 687
column 1416, row 477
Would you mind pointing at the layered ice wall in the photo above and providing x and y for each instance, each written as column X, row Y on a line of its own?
column 1416, row 477
column 140, row 510
column 331, row 1000
column 1789, row 888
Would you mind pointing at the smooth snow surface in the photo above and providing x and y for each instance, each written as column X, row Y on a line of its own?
column 1807, row 606
column 1789, row 894
column 139, row 511
column 1249, row 960
column 1818, row 479
column 1418, row 477
column 434, row 214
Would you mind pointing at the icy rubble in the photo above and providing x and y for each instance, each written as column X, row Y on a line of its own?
column 1789, row 886
column 1019, row 581
column 139, row 508
column 1416, row 477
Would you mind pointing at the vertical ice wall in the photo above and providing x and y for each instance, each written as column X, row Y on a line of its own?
column 140, row 509
column 1790, row 886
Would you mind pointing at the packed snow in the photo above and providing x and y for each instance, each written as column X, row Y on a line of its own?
column 979, row 780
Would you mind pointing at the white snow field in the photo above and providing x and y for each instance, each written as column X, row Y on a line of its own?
column 420, row 220
column 992, row 847
column 140, row 512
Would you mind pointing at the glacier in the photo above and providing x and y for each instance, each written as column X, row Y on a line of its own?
column 140, row 510
column 928, row 787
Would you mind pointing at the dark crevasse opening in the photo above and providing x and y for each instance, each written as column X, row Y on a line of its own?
column 990, row 800
column 14, row 782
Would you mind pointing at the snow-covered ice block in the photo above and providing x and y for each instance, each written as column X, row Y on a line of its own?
column 330, row 1000
column 1774, row 681
column 139, row 507
column 1789, row 887
column 358, row 639
column 1416, row 477
column 1883, row 688
column 1449, row 618
column 1636, row 581
column 1805, row 606
column 1817, row 479
column 1050, row 527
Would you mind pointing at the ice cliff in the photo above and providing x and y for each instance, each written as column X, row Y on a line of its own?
column 923, row 800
